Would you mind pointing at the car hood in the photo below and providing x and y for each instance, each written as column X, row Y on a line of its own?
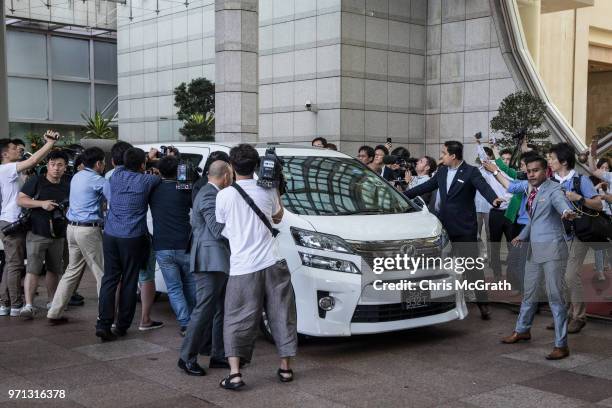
column 377, row 227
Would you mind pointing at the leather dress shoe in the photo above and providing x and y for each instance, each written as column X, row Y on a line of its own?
column 214, row 363
column 575, row 326
column 119, row 332
column 485, row 313
column 191, row 368
column 57, row 321
column 516, row 337
column 558, row 353
column 105, row 334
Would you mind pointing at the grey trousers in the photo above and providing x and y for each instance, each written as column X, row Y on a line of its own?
column 244, row 304
column 555, row 289
column 205, row 329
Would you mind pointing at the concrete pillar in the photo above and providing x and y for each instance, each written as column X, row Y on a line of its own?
column 530, row 11
column 4, row 124
column 236, row 65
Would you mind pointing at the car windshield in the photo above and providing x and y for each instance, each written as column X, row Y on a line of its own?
column 338, row 186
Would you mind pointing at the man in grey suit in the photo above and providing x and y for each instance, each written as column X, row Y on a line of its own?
column 547, row 255
column 210, row 256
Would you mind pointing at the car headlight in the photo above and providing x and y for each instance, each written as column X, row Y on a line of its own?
column 316, row 240
column 332, row 264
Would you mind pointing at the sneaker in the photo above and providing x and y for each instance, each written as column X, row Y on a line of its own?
column 183, row 331
column 5, row 310
column 49, row 305
column 601, row 276
column 154, row 325
column 27, row 312
column 15, row 311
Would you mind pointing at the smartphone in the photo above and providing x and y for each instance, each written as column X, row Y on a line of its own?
column 388, row 140
column 478, row 135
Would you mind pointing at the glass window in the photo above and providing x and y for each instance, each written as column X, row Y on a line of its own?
column 26, row 53
column 338, row 186
column 105, row 94
column 70, row 100
column 105, row 61
column 28, row 98
column 70, row 57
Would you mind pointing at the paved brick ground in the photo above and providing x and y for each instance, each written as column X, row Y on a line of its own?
column 460, row 364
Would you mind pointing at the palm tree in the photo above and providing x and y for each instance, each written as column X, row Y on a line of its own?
column 98, row 127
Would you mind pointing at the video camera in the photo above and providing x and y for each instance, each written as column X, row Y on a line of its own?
column 271, row 171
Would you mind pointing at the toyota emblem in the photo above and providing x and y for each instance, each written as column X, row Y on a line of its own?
column 407, row 249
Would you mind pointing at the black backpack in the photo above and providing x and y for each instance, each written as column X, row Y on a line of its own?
column 594, row 228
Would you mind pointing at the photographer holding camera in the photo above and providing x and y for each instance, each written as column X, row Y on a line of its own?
column 13, row 238
column 84, row 234
column 257, row 276
column 47, row 196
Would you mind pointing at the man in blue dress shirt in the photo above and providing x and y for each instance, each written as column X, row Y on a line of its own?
column 126, row 241
column 84, row 233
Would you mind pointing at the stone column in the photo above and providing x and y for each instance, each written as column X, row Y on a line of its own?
column 236, row 66
column 4, row 124
column 530, row 11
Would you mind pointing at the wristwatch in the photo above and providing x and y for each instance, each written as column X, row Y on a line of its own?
column 581, row 201
column 496, row 172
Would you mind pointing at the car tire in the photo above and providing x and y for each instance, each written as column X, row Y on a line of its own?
column 266, row 331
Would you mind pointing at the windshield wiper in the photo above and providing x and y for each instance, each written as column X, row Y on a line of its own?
column 361, row 212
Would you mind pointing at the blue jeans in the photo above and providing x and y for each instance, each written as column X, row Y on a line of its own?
column 601, row 256
column 553, row 272
column 174, row 266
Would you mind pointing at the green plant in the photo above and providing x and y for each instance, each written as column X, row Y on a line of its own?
column 521, row 112
column 196, row 107
column 98, row 127
column 35, row 140
column 199, row 127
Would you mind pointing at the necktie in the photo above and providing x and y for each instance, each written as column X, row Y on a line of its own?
column 530, row 200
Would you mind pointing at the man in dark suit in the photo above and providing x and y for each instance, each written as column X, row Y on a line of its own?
column 457, row 183
column 210, row 264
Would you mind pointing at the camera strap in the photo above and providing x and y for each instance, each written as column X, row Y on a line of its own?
column 256, row 209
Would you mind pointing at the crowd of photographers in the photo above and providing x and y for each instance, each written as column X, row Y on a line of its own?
column 215, row 234
column 68, row 216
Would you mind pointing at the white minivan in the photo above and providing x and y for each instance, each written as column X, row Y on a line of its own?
column 339, row 216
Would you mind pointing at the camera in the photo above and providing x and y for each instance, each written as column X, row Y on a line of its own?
column 478, row 136
column 186, row 175
column 166, row 150
column 22, row 225
column 60, row 211
column 271, row 171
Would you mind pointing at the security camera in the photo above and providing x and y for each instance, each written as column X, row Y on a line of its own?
column 308, row 105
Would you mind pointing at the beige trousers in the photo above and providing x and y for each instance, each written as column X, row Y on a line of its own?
column 85, row 251
column 573, row 279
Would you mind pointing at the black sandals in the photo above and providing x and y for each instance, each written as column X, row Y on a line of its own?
column 285, row 378
column 229, row 385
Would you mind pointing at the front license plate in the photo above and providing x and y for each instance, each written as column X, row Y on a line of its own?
column 413, row 299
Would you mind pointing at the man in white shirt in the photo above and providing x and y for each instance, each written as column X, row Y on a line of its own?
column 11, row 296
column 256, row 273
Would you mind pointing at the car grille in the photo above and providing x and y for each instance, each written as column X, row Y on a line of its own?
column 368, row 250
column 396, row 311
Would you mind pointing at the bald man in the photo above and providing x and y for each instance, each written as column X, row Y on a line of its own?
column 210, row 265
